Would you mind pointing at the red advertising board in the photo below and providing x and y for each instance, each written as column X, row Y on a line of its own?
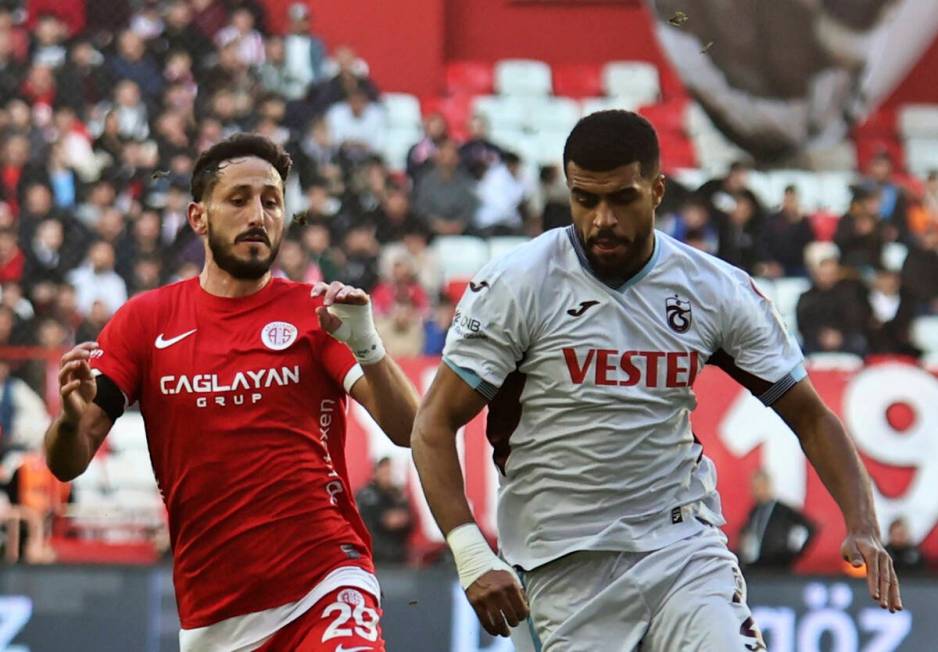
column 890, row 409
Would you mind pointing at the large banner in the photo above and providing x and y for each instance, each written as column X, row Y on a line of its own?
column 890, row 409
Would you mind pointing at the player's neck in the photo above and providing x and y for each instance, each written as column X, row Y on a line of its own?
column 220, row 283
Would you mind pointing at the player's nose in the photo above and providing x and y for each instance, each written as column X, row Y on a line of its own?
column 256, row 212
column 604, row 217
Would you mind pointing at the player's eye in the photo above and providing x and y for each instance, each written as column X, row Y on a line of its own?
column 272, row 203
column 237, row 201
column 586, row 200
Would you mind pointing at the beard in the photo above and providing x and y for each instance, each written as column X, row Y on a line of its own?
column 250, row 269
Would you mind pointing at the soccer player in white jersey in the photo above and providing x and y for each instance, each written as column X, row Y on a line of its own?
column 585, row 343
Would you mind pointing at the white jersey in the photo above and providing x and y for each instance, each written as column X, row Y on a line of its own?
column 590, row 390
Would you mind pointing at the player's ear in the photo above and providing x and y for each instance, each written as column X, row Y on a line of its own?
column 198, row 217
column 657, row 189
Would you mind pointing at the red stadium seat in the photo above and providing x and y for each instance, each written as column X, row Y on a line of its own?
column 824, row 224
column 667, row 116
column 577, row 80
column 867, row 148
column 469, row 77
column 455, row 289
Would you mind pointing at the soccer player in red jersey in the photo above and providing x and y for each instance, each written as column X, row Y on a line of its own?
column 242, row 380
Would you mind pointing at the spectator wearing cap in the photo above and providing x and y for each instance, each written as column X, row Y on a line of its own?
column 860, row 234
column 834, row 313
column 304, row 53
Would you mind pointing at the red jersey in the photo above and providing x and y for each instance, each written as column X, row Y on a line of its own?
column 244, row 402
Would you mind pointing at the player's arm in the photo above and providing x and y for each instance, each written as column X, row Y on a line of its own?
column 384, row 390
column 76, row 434
column 490, row 583
column 834, row 457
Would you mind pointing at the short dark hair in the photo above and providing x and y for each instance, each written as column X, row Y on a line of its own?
column 241, row 145
column 605, row 140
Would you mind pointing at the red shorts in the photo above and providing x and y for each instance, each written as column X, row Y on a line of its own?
column 345, row 620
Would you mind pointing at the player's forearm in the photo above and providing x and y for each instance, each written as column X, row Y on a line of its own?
column 68, row 449
column 834, row 457
column 437, row 462
column 395, row 399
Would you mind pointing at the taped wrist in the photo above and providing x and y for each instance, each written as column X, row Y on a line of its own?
column 358, row 331
column 472, row 554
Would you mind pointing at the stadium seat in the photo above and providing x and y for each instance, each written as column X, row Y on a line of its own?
column 403, row 110
column 577, row 80
column 924, row 333
column 461, row 255
column 787, row 293
column 547, row 147
column 893, row 256
column 690, row 178
column 835, row 192
column 918, row 120
column 522, row 77
column 501, row 112
column 552, row 114
column 594, row 104
column 921, row 155
column 469, row 78
column 501, row 245
column 131, row 469
column 456, row 110
column 834, row 361
column 637, row 80
column 397, row 142
column 128, row 433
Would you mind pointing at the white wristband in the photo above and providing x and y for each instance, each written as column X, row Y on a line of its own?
column 358, row 331
column 473, row 555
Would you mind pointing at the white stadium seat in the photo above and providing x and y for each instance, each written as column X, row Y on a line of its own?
column 547, row 147
column 918, row 120
column 397, row 142
column 522, row 77
column 128, row 433
column 834, row 361
column 690, row 178
column 835, row 192
column 636, row 80
column 921, row 155
column 553, row 114
column 501, row 112
column 461, row 255
column 510, row 138
column 924, row 333
column 787, row 293
column 402, row 109
column 501, row 245
column 595, row 104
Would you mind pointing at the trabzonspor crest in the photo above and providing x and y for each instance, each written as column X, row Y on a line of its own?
column 677, row 313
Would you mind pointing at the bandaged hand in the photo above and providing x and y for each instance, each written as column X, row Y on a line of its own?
column 346, row 315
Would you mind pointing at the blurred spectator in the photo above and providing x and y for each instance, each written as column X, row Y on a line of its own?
column 720, row 193
column 860, row 233
column 420, row 156
column 785, row 235
column 834, row 314
column 741, row 235
column 39, row 87
column 49, row 37
column 906, row 556
column 130, row 110
column 774, row 535
column 240, row 32
column 360, row 249
column 12, row 70
column 293, row 263
column 501, row 195
column 920, row 274
column 386, row 512
column 180, row 34
column 53, row 337
column 415, row 244
column 274, row 75
column 317, row 243
column 551, row 199
column 357, row 124
column 96, row 280
column 316, row 155
column 134, row 64
column 893, row 206
column 445, row 196
column 81, row 82
column 400, row 286
column 209, row 16
column 437, row 326
column 147, row 273
column 147, row 23
column 924, row 215
column 351, row 75
column 693, row 222
column 93, row 323
column 393, row 217
column 401, row 330
column 891, row 316
column 478, row 152
column 15, row 170
column 11, row 295
column 304, row 53
column 12, row 259
column 47, row 256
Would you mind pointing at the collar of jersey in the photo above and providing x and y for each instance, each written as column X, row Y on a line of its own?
column 638, row 276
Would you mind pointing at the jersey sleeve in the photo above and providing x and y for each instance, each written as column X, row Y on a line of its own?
column 489, row 334
column 123, row 346
column 757, row 349
column 339, row 363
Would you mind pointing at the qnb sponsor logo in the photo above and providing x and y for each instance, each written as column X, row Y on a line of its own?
column 334, row 485
column 242, row 388
column 668, row 369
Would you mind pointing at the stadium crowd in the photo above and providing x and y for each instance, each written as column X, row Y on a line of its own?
column 101, row 120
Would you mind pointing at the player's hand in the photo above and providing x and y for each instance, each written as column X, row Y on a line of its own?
column 866, row 548
column 77, row 386
column 336, row 293
column 499, row 601
column 345, row 314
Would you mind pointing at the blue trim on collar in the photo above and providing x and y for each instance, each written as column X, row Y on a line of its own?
column 642, row 273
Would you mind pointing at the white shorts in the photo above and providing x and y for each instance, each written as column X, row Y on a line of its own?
column 689, row 596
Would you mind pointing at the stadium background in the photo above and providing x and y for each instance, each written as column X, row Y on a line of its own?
column 104, row 106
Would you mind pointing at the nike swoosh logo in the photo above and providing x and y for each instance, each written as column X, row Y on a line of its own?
column 160, row 343
column 583, row 307
column 477, row 288
column 342, row 648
